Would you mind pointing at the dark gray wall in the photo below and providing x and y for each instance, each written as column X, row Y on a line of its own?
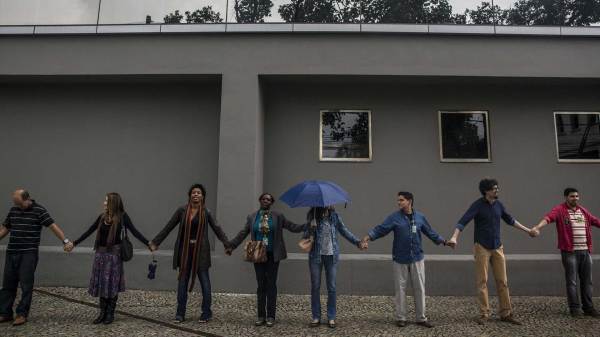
column 406, row 157
column 406, row 151
column 71, row 143
column 325, row 53
column 257, row 129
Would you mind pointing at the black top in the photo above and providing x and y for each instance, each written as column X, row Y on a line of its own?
column 105, row 230
column 25, row 226
column 195, row 225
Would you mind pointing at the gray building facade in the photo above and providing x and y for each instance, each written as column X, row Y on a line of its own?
column 148, row 113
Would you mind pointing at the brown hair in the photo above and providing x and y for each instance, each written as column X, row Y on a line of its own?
column 114, row 208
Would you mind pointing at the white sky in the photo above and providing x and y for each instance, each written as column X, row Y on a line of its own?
column 135, row 11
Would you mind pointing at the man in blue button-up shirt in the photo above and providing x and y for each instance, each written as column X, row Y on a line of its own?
column 407, row 225
column 486, row 213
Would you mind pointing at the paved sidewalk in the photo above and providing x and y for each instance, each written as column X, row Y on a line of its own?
column 234, row 316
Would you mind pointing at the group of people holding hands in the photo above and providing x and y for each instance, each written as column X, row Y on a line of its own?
column 321, row 228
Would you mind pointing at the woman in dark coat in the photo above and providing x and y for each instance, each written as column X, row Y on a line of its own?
column 108, row 278
column 192, row 249
column 267, row 226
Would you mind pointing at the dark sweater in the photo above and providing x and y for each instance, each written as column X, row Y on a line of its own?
column 105, row 230
column 178, row 219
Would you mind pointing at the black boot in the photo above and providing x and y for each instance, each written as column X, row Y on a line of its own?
column 110, row 310
column 102, row 315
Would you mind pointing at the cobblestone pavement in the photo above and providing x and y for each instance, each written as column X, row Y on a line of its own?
column 234, row 316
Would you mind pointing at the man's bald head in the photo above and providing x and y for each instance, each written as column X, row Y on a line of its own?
column 21, row 198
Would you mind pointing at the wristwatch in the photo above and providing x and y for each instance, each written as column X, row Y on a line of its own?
column 65, row 241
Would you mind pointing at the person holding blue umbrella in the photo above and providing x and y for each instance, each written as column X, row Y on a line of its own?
column 322, row 234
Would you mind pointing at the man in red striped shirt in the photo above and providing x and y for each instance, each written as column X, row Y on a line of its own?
column 573, row 225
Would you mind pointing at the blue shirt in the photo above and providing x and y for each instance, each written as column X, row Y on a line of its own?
column 407, row 246
column 487, row 222
column 258, row 234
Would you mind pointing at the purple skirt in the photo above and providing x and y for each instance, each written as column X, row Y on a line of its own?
column 108, row 278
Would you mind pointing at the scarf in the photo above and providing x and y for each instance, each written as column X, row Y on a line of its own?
column 187, row 236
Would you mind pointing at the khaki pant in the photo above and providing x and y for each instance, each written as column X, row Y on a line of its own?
column 483, row 258
column 415, row 274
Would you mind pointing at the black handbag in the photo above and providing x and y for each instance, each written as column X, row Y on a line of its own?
column 126, row 246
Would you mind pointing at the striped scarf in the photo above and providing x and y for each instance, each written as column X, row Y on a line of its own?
column 187, row 236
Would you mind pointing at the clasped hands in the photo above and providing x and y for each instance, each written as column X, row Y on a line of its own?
column 68, row 247
column 534, row 232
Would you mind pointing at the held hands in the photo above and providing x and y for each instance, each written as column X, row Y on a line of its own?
column 364, row 243
column 451, row 243
column 152, row 246
column 68, row 247
column 534, row 232
column 228, row 248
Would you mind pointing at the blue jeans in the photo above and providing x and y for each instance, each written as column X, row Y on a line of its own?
column 182, row 294
column 315, row 286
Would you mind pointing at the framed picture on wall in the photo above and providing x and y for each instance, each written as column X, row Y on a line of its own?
column 464, row 136
column 577, row 136
column 345, row 135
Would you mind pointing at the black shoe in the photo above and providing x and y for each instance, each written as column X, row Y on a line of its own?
column 205, row 318
column 401, row 324
column 102, row 314
column 592, row 313
column 260, row 321
column 510, row 319
column 426, row 324
column 315, row 323
column 270, row 322
column 481, row 320
column 110, row 310
column 179, row 319
column 575, row 313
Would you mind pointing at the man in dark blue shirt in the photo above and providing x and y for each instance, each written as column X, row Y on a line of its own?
column 486, row 213
column 407, row 226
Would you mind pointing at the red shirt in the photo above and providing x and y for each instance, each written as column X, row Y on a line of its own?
column 560, row 215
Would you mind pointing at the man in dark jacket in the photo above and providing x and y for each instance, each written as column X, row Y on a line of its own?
column 266, row 226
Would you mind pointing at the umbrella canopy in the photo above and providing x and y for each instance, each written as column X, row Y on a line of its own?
column 315, row 193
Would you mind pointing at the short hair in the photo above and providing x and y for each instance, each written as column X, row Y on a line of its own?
column 570, row 190
column 487, row 184
column 406, row 195
column 269, row 194
column 201, row 187
column 25, row 195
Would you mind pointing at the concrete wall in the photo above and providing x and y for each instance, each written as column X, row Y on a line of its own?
column 71, row 143
column 257, row 124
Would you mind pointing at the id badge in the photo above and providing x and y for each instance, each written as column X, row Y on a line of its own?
column 413, row 229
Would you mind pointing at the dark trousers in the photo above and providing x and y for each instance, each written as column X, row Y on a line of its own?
column 19, row 268
column 578, row 264
column 266, row 291
column 182, row 292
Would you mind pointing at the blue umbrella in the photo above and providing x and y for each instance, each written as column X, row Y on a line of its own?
column 315, row 193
